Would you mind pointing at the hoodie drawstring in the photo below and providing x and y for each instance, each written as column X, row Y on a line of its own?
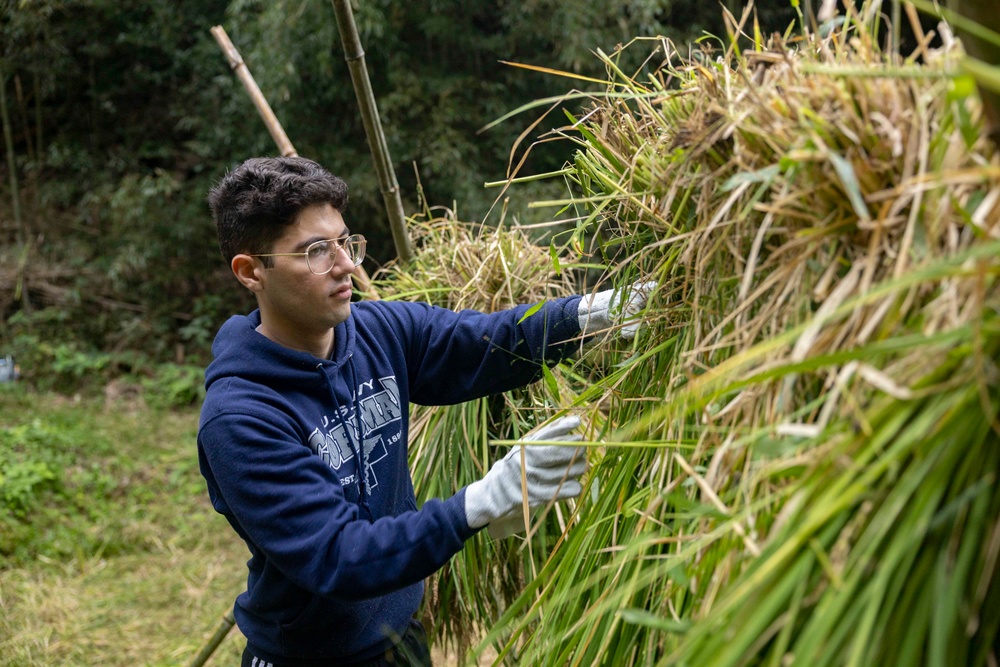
column 358, row 452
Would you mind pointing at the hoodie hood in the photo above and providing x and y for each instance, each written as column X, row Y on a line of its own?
column 242, row 351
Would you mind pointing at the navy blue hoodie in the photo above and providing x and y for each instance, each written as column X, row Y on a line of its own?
column 338, row 551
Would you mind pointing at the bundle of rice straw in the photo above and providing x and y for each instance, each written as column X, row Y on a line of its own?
column 801, row 448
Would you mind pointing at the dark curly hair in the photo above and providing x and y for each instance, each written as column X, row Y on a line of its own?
column 254, row 203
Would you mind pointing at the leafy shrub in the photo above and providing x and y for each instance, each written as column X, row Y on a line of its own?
column 69, row 366
column 65, row 366
column 59, row 500
column 29, row 465
column 175, row 385
column 21, row 480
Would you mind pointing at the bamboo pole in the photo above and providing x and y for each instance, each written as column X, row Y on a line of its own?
column 228, row 621
column 355, row 57
column 257, row 97
column 361, row 279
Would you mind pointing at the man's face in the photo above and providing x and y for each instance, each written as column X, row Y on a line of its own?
column 295, row 301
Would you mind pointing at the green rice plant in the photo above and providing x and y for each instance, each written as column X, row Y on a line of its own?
column 797, row 457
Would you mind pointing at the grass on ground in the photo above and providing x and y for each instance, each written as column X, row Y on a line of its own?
column 110, row 553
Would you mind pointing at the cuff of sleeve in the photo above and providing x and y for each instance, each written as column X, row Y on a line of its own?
column 571, row 312
column 457, row 504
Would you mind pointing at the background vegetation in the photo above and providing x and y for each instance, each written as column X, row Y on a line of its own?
column 122, row 114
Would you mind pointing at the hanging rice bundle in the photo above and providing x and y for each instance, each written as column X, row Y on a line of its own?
column 801, row 453
column 460, row 265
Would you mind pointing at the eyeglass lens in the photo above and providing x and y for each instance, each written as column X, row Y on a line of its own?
column 322, row 255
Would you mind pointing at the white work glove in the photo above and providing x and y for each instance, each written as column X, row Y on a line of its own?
column 552, row 472
column 599, row 312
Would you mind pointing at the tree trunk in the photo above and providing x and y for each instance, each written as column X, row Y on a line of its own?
column 39, row 146
column 8, row 142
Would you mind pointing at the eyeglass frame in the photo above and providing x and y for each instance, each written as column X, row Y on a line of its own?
column 338, row 243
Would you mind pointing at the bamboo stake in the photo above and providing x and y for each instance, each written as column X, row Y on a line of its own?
column 228, row 621
column 355, row 57
column 257, row 97
column 361, row 279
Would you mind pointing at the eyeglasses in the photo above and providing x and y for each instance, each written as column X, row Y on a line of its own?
column 321, row 255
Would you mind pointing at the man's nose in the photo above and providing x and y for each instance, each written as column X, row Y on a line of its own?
column 342, row 262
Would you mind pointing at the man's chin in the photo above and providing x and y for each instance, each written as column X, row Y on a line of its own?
column 340, row 315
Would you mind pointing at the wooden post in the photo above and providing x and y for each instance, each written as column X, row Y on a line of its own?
column 285, row 146
column 355, row 57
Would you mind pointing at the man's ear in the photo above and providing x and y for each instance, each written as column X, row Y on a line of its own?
column 247, row 271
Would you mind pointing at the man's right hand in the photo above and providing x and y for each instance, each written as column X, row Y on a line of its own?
column 551, row 472
column 604, row 310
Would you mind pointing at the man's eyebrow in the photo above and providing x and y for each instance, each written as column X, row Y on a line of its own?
column 308, row 242
column 305, row 244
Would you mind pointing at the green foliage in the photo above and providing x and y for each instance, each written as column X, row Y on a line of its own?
column 69, row 366
column 22, row 477
column 64, row 366
column 174, row 386
column 33, row 458
column 78, row 479
column 121, row 243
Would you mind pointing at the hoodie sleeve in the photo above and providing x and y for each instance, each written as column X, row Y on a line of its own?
column 454, row 357
column 291, row 506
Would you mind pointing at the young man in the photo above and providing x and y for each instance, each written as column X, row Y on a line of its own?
column 303, row 433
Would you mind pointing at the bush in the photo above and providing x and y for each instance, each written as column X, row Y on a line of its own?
column 174, row 386
column 33, row 457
